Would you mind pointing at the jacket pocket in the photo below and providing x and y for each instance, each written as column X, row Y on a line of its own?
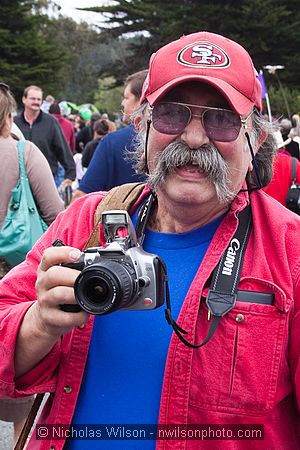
column 238, row 369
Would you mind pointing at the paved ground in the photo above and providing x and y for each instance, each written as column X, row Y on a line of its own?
column 6, row 430
column 6, row 435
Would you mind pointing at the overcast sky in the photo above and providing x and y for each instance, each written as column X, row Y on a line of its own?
column 68, row 8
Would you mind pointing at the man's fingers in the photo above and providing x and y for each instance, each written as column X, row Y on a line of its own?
column 54, row 256
column 56, row 276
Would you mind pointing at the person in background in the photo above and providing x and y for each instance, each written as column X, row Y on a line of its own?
column 230, row 363
column 82, row 157
column 86, row 134
column 80, row 170
column 101, row 128
column 66, row 125
column 49, row 100
column 46, row 197
column 110, row 165
column 295, row 131
column 282, row 170
column 44, row 131
column 291, row 143
column 78, row 123
column 111, row 125
column 17, row 133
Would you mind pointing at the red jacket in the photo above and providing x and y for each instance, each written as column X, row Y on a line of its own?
column 248, row 373
column 68, row 130
column 282, row 177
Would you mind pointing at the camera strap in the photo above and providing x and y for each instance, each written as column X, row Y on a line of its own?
column 224, row 286
column 143, row 218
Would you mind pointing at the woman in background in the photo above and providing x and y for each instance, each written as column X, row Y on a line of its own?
column 100, row 128
column 46, row 197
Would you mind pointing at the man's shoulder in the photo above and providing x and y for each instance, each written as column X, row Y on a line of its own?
column 46, row 117
column 19, row 118
column 132, row 193
column 119, row 137
column 129, row 130
column 87, row 204
column 273, row 215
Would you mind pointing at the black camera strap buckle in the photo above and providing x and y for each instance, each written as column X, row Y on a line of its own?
column 220, row 303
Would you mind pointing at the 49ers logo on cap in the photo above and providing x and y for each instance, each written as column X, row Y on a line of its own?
column 203, row 54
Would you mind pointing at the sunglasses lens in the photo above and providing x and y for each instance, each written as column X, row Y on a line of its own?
column 221, row 125
column 170, row 118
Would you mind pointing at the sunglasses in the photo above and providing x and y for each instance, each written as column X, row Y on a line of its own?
column 220, row 124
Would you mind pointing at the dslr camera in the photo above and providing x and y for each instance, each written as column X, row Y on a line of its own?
column 120, row 275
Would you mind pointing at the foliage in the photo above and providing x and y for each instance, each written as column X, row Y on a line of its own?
column 277, row 98
column 108, row 97
column 26, row 56
column 269, row 29
column 89, row 57
column 80, row 71
column 67, row 59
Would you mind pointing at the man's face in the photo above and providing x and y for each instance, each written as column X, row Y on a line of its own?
column 33, row 101
column 189, row 167
column 129, row 104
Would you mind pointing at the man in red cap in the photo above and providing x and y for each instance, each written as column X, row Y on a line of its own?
column 223, row 371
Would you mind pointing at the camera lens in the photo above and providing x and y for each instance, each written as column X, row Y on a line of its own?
column 98, row 290
column 105, row 287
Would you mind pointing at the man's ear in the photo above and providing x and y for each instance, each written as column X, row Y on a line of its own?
column 261, row 139
column 137, row 123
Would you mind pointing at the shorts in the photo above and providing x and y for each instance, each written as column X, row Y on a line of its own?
column 15, row 409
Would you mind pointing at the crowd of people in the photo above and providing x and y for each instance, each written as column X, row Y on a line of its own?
column 226, row 264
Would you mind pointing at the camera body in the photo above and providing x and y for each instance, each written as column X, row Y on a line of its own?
column 120, row 276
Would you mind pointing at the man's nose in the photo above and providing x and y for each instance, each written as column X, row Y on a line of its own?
column 194, row 134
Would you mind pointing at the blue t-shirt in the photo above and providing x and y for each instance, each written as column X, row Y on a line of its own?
column 125, row 367
column 108, row 167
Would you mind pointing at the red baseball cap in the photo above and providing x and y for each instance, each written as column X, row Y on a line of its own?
column 208, row 58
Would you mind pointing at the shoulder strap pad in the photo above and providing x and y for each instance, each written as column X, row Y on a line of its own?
column 119, row 197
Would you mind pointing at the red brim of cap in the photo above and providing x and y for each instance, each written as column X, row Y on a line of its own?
column 241, row 104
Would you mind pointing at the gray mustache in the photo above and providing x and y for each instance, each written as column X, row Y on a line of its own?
column 207, row 158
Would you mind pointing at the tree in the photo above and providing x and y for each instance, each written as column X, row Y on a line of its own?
column 269, row 29
column 108, row 97
column 81, row 67
column 26, row 56
column 278, row 104
column 89, row 56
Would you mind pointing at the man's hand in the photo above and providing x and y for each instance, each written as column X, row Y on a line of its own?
column 55, row 286
column 45, row 322
column 66, row 182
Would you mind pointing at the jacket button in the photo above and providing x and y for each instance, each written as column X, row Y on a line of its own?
column 240, row 318
column 81, row 326
column 67, row 389
column 52, row 447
